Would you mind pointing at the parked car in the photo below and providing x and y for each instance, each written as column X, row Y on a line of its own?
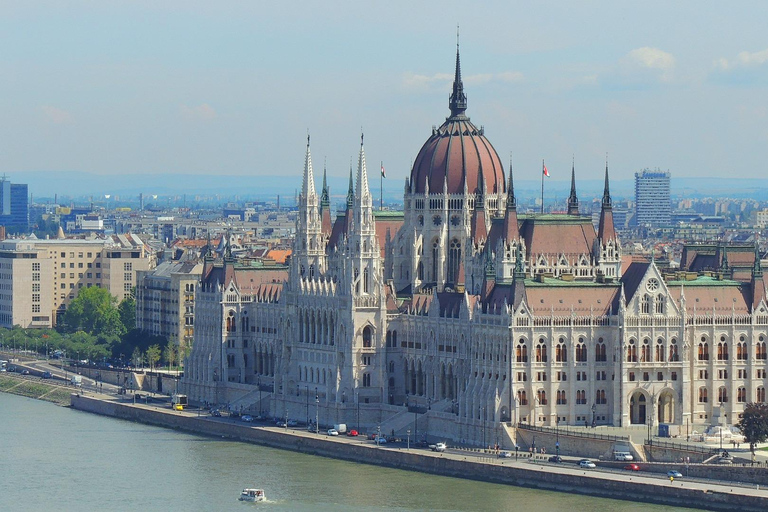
column 379, row 439
column 353, row 433
column 281, row 423
column 292, row 423
column 333, row 432
column 587, row 464
column 216, row 413
column 555, row 458
column 505, row 455
column 673, row 473
column 46, row 375
column 438, row 447
column 25, row 372
column 247, row 418
column 632, row 467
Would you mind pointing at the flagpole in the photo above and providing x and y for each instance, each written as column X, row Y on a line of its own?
column 381, row 187
column 542, row 186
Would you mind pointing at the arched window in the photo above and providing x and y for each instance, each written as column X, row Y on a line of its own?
column 521, row 397
column 673, row 356
column 722, row 351
column 366, row 280
column 581, row 351
column 581, row 397
column 454, row 260
column 420, row 271
column 702, row 395
column 722, row 395
column 561, row 399
column 741, row 395
column 741, row 351
column 760, row 395
column 645, row 304
column 645, row 352
column 600, row 397
column 561, row 353
column 367, row 336
column 659, row 304
column 541, row 397
column 631, row 352
column 521, row 352
column 541, row 352
column 760, row 349
column 703, row 351
column 435, row 259
column 600, row 351
column 659, row 355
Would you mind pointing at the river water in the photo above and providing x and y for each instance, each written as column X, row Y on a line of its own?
column 55, row 458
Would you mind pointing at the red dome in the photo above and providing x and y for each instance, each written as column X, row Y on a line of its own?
column 457, row 151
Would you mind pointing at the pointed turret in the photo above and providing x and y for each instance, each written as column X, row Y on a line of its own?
column 757, row 283
column 362, row 191
column 479, row 229
column 511, row 228
column 325, row 206
column 458, row 100
column 573, row 201
column 606, row 230
column 350, row 190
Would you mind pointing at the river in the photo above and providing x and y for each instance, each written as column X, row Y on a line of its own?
column 55, row 458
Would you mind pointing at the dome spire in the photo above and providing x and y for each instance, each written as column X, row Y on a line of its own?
column 458, row 100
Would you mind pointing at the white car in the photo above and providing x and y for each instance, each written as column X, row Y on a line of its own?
column 587, row 464
column 438, row 447
column 505, row 455
column 333, row 432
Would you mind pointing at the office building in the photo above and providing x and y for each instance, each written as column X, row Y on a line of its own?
column 652, row 202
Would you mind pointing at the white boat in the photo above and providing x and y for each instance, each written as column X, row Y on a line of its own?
column 253, row 495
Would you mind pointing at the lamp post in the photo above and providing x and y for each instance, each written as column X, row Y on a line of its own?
column 557, row 437
column 258, row 383
column 357, row 399
column 307, row 389
column 408, row 439
column 378, row 436
column 317, row 413
column 483, row 411
column 594, row 407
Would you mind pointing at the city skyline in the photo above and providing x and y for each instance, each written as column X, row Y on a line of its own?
column 232, row 90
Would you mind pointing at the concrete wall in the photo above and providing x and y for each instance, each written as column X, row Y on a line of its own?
column 590, row 484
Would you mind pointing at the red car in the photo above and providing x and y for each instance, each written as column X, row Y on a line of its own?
column 632, row 467
column 352, row 433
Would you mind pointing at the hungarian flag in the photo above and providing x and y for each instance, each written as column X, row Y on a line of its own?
column 546, row 171
column 383, row 174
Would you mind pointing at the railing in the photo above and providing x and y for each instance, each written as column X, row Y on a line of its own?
column 681, row 446
column 572, row 433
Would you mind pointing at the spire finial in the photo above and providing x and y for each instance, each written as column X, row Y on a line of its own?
column 458, row 100
column 351, row 190
column 573, row 201
column 606, row 189
column 511, row 200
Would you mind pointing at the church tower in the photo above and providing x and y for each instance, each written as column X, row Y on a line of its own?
column 308, row 259
column 607, row 250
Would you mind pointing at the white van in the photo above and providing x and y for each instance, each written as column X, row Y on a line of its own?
column 623, row 456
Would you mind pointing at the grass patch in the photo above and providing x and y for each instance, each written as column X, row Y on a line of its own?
column 7, row 382
column 35, row 389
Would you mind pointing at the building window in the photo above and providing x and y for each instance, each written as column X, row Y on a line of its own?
column 367, row 336
column 35, row 308
column 581, row 397
column 760, row 395
column 673, row 356
column 541, row 396
column 741, row 395
column 631, row 376
column 521, row 352
column 35, row 276
column 541, row 352
column 522, row 397
column 722, row 395
column 581, row 351
column 561, row 399
column 702, row 395
column 36, row 267
column 722, row 351
column 128, row 266
column 703, row 351
column 561, row 353
column 366, row 380
column 127, row 276
column 631, row 352
column 600, row 397
column 600, row 351
column 674, row 376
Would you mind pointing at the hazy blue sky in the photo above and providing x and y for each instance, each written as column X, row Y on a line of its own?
column 232, row 87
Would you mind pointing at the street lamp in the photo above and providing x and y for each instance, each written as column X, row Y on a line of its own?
column 483, row 411
column 557, row 437
column 594, row 407
column 307, row 388
column 378, row 436
column 408, row 439
column 317, row 413
column 357, row 399
column 258, row 383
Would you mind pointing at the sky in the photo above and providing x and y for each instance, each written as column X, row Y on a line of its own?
column 232, row 88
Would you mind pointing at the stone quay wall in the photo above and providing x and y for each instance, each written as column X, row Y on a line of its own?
column 427, row 462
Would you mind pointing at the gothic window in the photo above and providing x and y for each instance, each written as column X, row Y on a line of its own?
column 455, row 220
column 645, row 304
column 561, row 353
column 600, row 397
column 367, row 336
column 631, row 352
column 741, row 351
column 521, row 352
column 541, row 352
column 703, row 351
column 702, row 395
column 581, row 351
column 659, row 356
column 302, row 270
column 660, row 304
column 521, row 397
column 231, row 325
column 645, row 352
column 581, row 397
column 437, row 220
column 420, row 271
column 741, row 395
column 357, row 281
column 541, row 397
column 722, row 350
column 600, row 354
column 561, row 399
column 673, row 355
column 722, row 395
column 760, row 350
column 454, row 260
column 366, row 380
column 435, row 259
column 366, row 280
column 760, row 395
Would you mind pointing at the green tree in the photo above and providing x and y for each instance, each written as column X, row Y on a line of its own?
column 170, row 353
column 127, row 310
column 153, row 355
column 94, row 311
column 136, row 357
column 754, row 424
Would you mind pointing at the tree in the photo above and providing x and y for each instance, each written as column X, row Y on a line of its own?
column 170, row 354
column 754, row 424
column 153, row 356
column 94, row 311
column 127, row 310
column 136, row 357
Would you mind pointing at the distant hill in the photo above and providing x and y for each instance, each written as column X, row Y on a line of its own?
column 74, row 184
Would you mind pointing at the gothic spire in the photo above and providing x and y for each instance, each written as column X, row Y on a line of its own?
column 458, row 100
column 573, row 201
column 351, row 190
column 606, row 189
column 362, row 190
column 308, row 182
column 511, row 229
column 511, row 200
column 325, row 199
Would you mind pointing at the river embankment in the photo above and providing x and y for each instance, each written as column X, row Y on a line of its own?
column 562, row 478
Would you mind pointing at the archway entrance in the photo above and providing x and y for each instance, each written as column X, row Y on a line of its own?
column 666, row 406
column 637, row 410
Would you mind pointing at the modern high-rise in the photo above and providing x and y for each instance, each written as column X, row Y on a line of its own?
column 14, row 206
column 653, row 205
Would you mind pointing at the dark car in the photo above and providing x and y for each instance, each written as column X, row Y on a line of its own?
column 216, row 413
column 555, row 458
column 46, row 375
column 25, row 372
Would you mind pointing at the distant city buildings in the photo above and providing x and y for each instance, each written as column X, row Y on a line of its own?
column 653, row 207
column 14, row 206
